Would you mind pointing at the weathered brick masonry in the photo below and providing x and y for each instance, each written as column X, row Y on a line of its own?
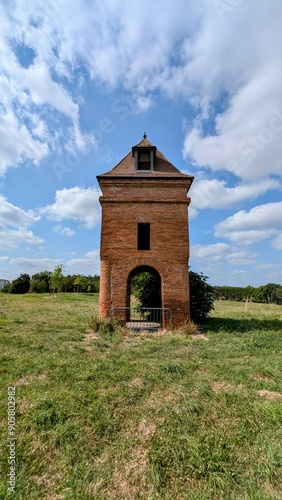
column 145, row 188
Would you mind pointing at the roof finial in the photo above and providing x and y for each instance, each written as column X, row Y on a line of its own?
column 144, row 135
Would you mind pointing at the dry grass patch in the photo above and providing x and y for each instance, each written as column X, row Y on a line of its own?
column 263, row 378
column 270, row 395
column 41, row 377
column 158, row 399
column 271, row 492
column 23, row 405
column 218, row 387
column 200, row 336
column 146, row 429
column 90, row 335
column 137, row 383
column 130, row 479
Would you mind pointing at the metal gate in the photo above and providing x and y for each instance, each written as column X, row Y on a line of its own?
column 143, row 318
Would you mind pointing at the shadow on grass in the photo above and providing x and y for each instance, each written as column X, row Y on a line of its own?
column 240, row 325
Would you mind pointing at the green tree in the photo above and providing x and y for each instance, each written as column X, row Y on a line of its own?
column 146, row 288
column 57, row 279
column 93, row 282
column 68, row 283
column 21, row 284
column 40, row 282
column 271, row 293
column 201, row 297
column 79, row 282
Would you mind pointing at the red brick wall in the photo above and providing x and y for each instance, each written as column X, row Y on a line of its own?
column 164, row 205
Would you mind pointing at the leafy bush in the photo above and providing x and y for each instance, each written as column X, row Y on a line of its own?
column 201, row 297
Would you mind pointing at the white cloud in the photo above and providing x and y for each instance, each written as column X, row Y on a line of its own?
column 144, row 103
column 66, row 231
column 19, row 143
column 33, row 96
column 247, row 136
column 78, row 203
column 187, row 49
column 247, row 237
column 12, row 238
column 264, row 216
column 18, row 265
column 193, row 212
column 211, row 252
column 277, row 242
column 245, row 228
column 238, row 272
column 34, row 265
column 213, row 193
column 15, row 216
column 88, row 264
column 44, row 90
column 14, row 224
column 220, row 252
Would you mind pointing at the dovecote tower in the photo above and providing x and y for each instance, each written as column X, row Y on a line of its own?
column 145, row 228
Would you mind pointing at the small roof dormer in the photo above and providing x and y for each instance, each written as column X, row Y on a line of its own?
column 145, row 161
column 144, row 155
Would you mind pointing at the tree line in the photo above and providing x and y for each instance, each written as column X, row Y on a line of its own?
column 51, row 282
column 270, row 293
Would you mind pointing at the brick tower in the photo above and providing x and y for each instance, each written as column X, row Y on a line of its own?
column 145, row 228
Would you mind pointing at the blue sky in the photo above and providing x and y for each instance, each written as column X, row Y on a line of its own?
column 80, row 82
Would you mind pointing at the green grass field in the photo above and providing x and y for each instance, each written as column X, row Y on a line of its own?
column 146, row 416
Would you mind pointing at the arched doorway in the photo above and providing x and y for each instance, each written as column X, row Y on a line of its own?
column 144, row 295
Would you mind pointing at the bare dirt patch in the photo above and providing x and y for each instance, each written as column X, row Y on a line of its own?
column 199, row 336
column 90, row 335
column 23, row 405
column 272, row 492
column 221, row 386
column 263, row 378
column 87, row 339
column 270, row 395
column 42, row 377
column 146, row 429
column 226, row 387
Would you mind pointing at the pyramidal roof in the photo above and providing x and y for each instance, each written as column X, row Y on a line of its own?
column 162, row 166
